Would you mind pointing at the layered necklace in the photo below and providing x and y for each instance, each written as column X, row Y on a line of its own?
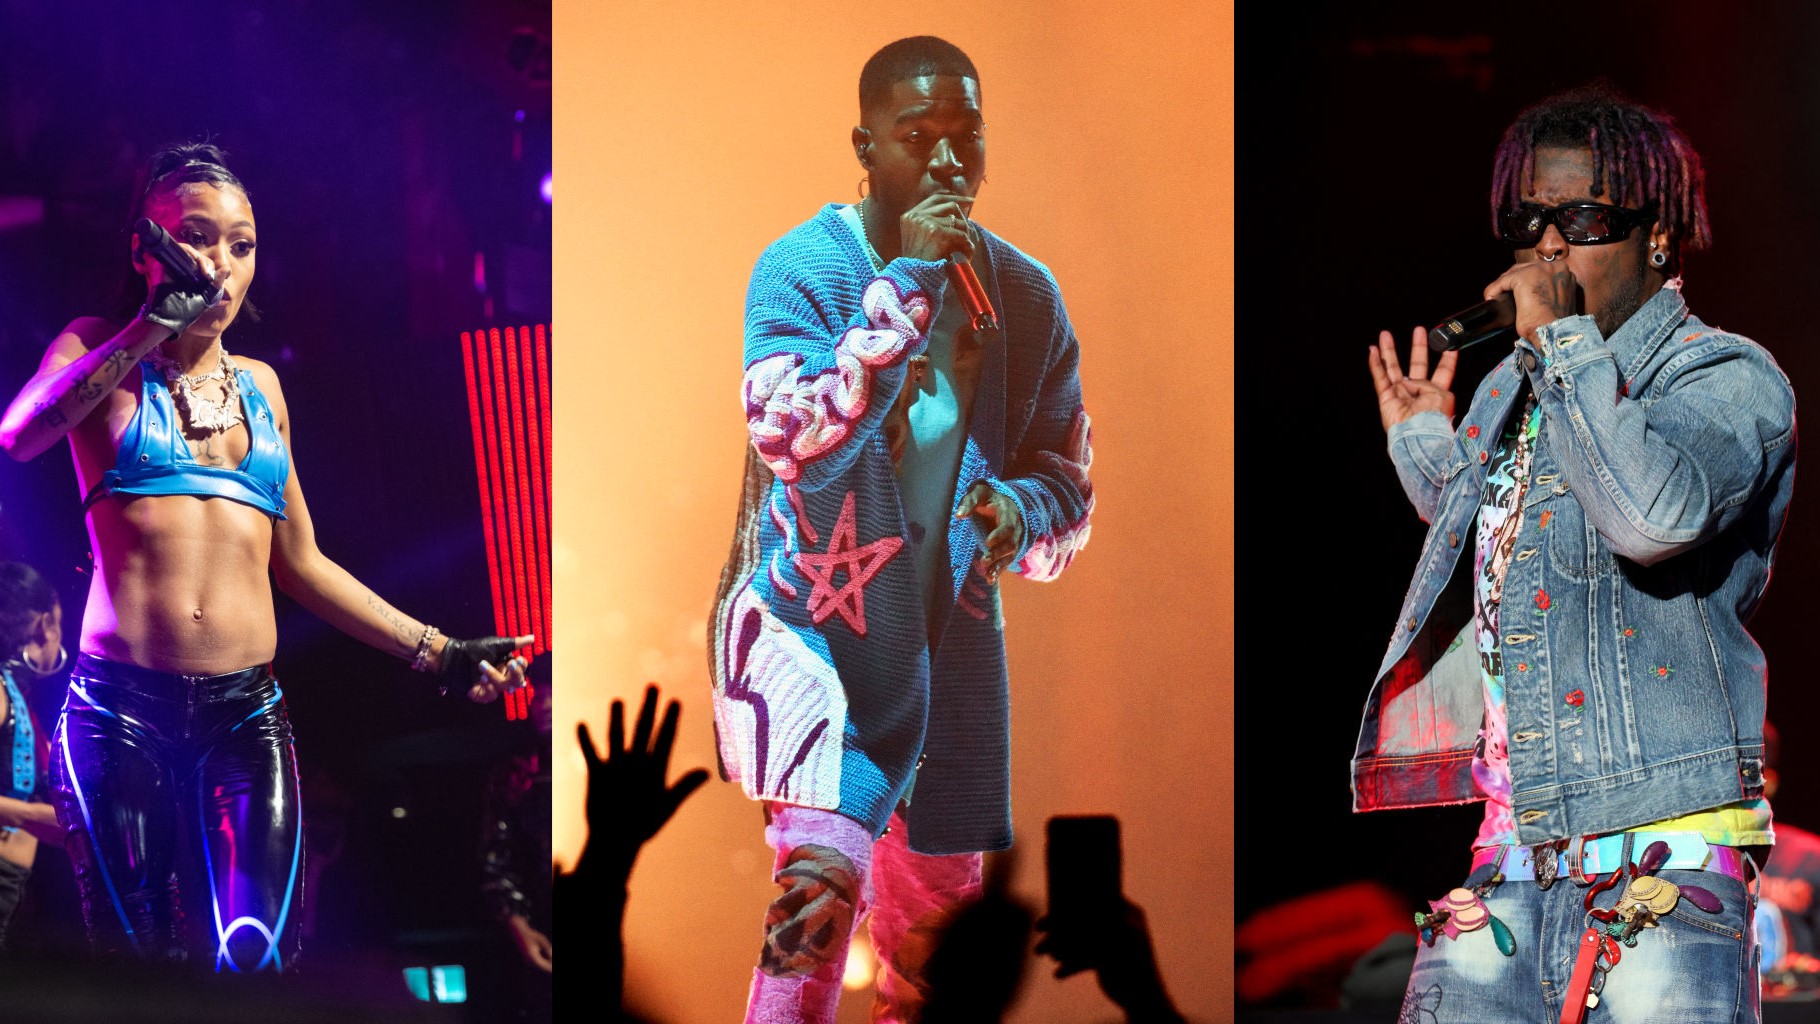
column 1529, row 425
column 205, row 415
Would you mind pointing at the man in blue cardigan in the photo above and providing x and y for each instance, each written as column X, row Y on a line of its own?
column 901, row 461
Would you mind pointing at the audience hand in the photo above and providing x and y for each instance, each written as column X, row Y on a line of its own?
column 1119, row 950
column 628, row 797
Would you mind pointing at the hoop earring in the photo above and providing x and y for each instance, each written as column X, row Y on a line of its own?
column 861, row 187
column 1658, row 259
column 63, row 658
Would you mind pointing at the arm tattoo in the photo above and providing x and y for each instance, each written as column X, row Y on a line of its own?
column 105, row 376
column 46, row 410
column 391, row 618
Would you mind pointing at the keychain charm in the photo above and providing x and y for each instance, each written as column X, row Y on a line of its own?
column 1463, row 910
column 1648, row 898
column 1643, row 902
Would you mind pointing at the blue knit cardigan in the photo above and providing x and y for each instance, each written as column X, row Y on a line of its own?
column 825, row 694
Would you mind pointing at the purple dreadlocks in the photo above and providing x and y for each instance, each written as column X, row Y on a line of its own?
column 1638, row 154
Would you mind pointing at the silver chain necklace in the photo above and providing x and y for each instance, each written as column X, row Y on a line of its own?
column 205, row 415
column 865, row 236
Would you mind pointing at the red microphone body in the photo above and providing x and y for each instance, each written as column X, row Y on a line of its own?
column 972, row 295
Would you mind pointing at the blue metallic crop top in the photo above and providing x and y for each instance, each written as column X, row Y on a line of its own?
column 155, row 459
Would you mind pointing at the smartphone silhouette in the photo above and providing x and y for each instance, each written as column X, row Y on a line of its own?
column 1085, row 866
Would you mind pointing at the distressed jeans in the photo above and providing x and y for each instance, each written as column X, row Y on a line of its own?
column 1692, row 968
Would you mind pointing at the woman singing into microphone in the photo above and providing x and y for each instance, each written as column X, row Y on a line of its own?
column 172, row 758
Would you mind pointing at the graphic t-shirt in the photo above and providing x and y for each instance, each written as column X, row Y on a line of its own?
column 1500, row 517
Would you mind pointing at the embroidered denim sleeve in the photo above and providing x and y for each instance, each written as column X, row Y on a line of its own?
column 1047, row 477
column 1418, row 449
column 1661, row 472
column 818, row 383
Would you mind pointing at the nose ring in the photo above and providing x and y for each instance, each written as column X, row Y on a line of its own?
column 1551, row 259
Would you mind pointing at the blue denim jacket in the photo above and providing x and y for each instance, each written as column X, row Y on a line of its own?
column 1659, row 482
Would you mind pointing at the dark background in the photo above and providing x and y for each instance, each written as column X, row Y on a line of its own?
column 1365, row 142
column 386, row 147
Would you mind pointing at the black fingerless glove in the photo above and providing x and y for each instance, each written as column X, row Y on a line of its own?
column 461, row 658
column 175, row 306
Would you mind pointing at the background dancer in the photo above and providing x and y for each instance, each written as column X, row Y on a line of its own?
column 31, row 630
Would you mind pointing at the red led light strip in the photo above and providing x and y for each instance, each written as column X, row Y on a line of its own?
column 508, row 378
column 543, row 493
column 512, row 445
column 537, row 547
column 481, row 462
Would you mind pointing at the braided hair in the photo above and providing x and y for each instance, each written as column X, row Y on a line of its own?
column 1638, row 155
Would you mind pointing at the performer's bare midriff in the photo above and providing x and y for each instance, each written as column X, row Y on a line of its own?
column 181, row 583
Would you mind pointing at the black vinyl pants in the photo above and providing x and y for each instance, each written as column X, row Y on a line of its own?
column 179, row 796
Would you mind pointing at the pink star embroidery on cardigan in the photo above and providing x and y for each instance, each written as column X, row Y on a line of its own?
column 859, row 561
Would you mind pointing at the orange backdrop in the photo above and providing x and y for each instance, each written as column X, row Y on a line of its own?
column 691, row 134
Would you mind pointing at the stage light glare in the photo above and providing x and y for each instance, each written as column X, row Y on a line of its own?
column 862, row 964
column 543, row 187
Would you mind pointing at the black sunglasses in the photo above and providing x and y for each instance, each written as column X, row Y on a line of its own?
column 1579, row 223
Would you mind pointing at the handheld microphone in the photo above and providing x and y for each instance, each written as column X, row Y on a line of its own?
column 1482, row 321
column 154, row 241
column 972, row 295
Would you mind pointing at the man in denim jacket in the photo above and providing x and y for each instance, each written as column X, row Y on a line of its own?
column 1572, row 648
